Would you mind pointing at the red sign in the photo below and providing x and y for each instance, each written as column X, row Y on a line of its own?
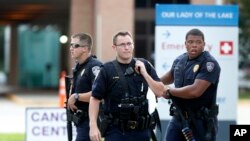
column 226, row 47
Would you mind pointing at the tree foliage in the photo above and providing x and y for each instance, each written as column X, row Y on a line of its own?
column 244, row 31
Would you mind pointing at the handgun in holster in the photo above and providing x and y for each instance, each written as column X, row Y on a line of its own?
column 77, row 117
column 210, row 117
column 103, row 122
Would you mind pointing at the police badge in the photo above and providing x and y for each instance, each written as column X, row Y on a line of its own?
column 210, row 66
column 196, row 67
column 82, row 72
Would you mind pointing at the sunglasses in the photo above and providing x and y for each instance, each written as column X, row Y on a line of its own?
column 73, row 45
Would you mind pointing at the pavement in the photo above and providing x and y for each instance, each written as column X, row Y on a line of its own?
column 13, row 106
column 243, row 113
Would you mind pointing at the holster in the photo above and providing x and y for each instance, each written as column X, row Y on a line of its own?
column 209, row 117
column 103, row 123
column 211, row 122
column 78, row 117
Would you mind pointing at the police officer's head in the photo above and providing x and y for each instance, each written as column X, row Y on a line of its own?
column 121, row 33
column 124, row 46
column 195, row 43
column 83, row 40
column 80, row 46
column 196, row 32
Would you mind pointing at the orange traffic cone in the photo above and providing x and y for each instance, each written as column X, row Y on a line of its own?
column 62, row 90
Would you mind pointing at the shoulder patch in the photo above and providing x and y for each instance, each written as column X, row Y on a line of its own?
column 210, row 66
column 95, row 70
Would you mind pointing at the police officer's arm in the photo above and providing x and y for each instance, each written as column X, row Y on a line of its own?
column 81, row 97
column 94, row 132
column 85, row 97
column 156, row 86
column 167, row 78
column 191, row 91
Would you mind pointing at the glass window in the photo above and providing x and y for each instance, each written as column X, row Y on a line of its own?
column 153, row 2
column 152, row 52
column 140, row 47
column 141, row 3
column 140, row 27
column 1, row 48
column 183, row 1
column 3, row 78
column 152, row 27
column 42, row 45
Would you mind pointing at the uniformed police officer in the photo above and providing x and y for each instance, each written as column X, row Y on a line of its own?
column 84, row 73
column 123, row 84
column 196, row 76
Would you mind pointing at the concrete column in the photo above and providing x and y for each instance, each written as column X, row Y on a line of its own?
column 111, row 16
column 81, row 20
column 102, row 19
column 12, row 75
column 82, row 16
column 203, row 1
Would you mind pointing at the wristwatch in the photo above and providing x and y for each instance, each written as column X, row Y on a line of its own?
column 76, row 96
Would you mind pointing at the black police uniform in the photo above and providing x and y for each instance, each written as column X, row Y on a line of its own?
column 128, row 113
column 185, row 72
column 83, row 78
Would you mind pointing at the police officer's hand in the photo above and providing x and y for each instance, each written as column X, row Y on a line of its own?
column 71, row 103
column 167, row 94
column 140, row 67
column 94, row 133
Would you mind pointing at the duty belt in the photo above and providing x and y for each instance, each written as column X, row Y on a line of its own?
column 132, row 124
column 199, row 114
column 144, row 122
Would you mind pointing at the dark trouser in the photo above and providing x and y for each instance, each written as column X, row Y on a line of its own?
column 115, row 134
column 83, row 131
column 174, row 132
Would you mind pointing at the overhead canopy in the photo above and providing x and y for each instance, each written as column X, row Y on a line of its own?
column 34, row 11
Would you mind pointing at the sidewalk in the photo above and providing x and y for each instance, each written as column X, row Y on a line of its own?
column 243, row 113
column 12, row 109
column 35, row 99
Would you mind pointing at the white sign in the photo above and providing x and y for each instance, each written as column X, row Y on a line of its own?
column 220, row 27
column 46, row 124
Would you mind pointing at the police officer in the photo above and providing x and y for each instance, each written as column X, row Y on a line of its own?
column 195, row 75
column 123, row 84
column 84, row 73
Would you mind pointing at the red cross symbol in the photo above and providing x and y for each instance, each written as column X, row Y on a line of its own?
column 226, row 47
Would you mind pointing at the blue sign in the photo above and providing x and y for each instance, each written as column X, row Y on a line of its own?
column 201, row 15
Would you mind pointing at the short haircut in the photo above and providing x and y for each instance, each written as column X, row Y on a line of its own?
column 195, row 32
column 84, row 38
column 121, row 33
